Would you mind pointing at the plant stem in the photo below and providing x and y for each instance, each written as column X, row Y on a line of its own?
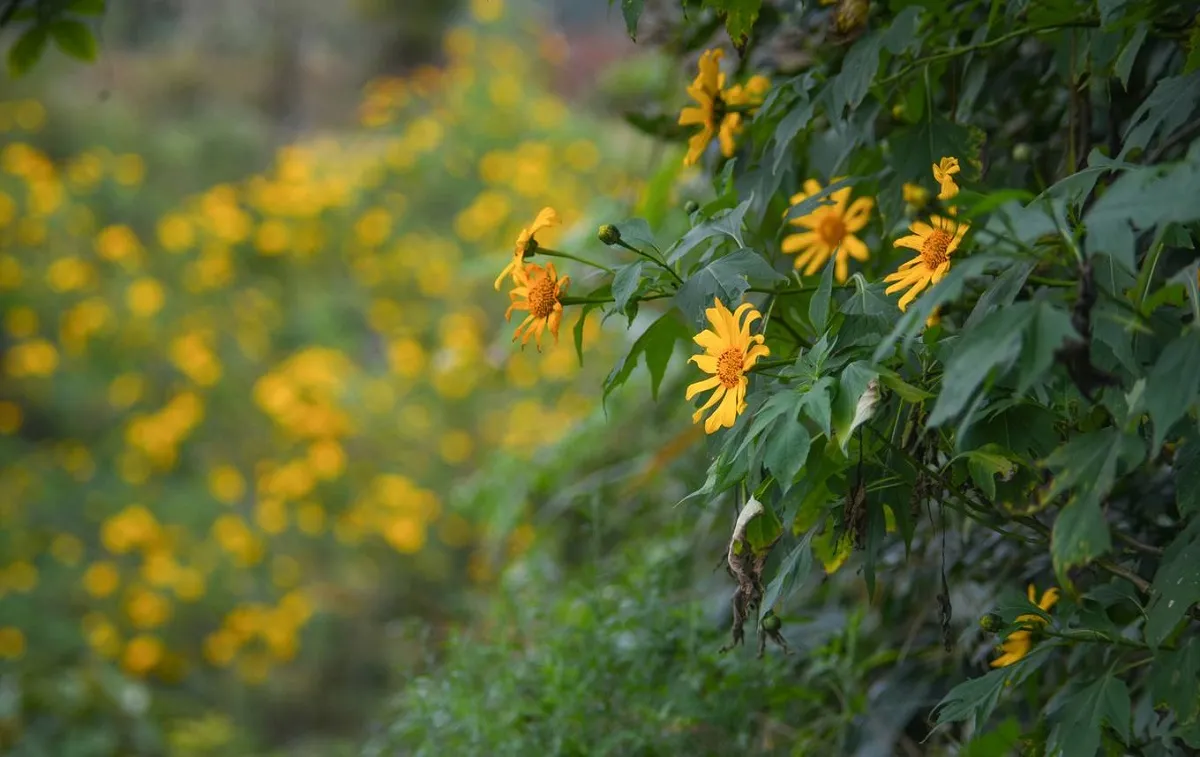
column 1065, row 283
column 651, row 258
column 569, row 256
column 1095, row 637
column 792, row 290
column 601, row 300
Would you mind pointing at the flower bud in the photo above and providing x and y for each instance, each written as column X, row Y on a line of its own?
column 1021, row 152
column 991, row 622
column 691, row 206
column 771, row 623
column 609, row 234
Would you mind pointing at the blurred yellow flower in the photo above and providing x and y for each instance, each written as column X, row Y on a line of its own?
column 21, row 322
column 129, row 170
column 125, row 390
column 101, row 635
column 711, row 113
column 142, row 653
column 220, row 647
column 915, row 194
column 526, row 244
column 35, row 357
column 68, row 274
column 486, row 11
column 21, row 577
column 539, row 291
column 12, row 643
column 935, row 243
column 144, row 297
column 10, row 417
column 30, row 115
column 943, row 174
column 830, row 228
column 175, row 233
column 147, row 609
column 67, row 549
column 118, row 243
column 101, row 579
column 729, row 351
column 1018, row 643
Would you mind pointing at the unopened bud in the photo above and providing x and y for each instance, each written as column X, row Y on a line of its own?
column 691, row 206
column 609, row 234
column 771, row 623
column 991, row 622
column 1021, row 152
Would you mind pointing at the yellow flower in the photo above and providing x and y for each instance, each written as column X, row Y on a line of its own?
column 538, row 291
column 830, row 228
column 729, row 351
column 708, row 90
column 1018, row 643
column 935, row 244
column 942, row 173
column 546, row 218
column 915, row 194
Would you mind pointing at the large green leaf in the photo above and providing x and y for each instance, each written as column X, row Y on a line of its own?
column 916, row 148
column 631, row 11
column 1165, row 110
column 726, row 278
column 785, row 448
column 1173, row 383
column 1045, row 333
column 976, row 699
column 657, row 343
column 739, row 15
column 992, row 347
column 726, row 223
column 1176, row 586
column 818, row 306
column 862, row 62
column 1142, row 199
column 1187, row 475
column 74, row 38
column 855, row 400
column 1082, row 714
column 1175, row 679
column 26, row 51
column 625, row 284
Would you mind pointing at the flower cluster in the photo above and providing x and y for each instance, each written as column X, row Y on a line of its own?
column 719, row 109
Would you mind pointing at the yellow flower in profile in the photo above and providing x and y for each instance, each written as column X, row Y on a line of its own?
column 935, row 244
column 712, row 100
column 1019, row 642
column 830, row 228
column 729, row 351
column 943, row 173
column 915, row 194
column 538, row 291
column 545, row 218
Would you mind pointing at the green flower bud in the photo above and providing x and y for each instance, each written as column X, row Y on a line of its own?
column 609, row 234
column 991, row 622
column 771, row 623
column 691, row 206
column 1021, row 152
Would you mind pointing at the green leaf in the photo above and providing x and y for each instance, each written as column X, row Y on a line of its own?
column 862, row 62
column 26, row 51
column 75, row 39
column 583, row 314
column 907, row 391
column 632, row 11
column 867, row 299
column 791, row 574
column 1142, row 199
column 799, row 114
column 1086, row 465
column 1166, row 109
column 984, row 464
column 637, row 233
column 657, row 343
column 855, row 400
column 625, row 284
column 1002, row 742
column 1025, row 429
column 1187, row 475
column 976, row 699
column 818, row 306
column 1045, row 333
column 1081, row 715
column 1173, row 680
column 86, row 7
column 786, row 449
column 1125, row 60
column 994, row 345
column 726, row 223
column 1193, row 50
column 1000, row 294
column 763, row 529
column 1173, row 384
column 916, row 148
column 726, row 278
column 1176, row 587
column 739, row 15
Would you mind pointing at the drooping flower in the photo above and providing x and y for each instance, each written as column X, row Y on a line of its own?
column 545, row 218
column 943, row 173
column 1019, row 642
column 935, row 243
column 830, row 227
column 538, row 291
column 712, row 100
column 729, row 351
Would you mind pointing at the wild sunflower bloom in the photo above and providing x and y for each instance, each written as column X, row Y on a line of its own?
column 830, row 228
column 943, row 174
column 915, row 194
column 1019, row 642
column 712, row 101
column 935, row 243
column 539, row 290
column 729, row 351
column 547, row 217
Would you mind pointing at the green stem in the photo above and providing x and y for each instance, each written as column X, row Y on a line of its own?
column 1095, row 637
column 569, row 256
column 651, row 258
column 1044, row 281
column 987, row 44
column 792, row 290
column 601, row 300
column 1148, row 273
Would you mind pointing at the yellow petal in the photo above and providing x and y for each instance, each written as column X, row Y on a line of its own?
column 701, row 386
column 706, row 363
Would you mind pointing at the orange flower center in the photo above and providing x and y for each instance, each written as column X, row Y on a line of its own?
column 729, row 367
column 933, row 250
column 831, row 229
column 543, row 296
